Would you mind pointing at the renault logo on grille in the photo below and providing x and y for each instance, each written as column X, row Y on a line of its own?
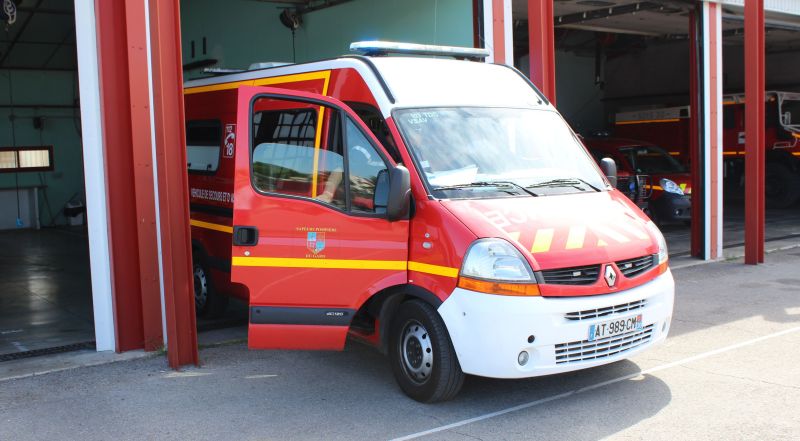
column 611, row 276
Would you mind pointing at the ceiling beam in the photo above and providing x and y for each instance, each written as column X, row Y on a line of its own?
column 19, row 33
column 46, row 11
column 611, row 11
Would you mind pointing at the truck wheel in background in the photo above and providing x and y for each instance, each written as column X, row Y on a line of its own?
column 423, row 360
column 207, row 303
column 782, row 186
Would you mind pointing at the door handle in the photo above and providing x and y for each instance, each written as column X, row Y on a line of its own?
column 245, row 236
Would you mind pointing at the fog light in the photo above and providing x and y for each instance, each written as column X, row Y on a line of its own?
column 522, row 359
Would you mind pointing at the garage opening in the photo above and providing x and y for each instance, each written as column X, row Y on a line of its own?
column 623, row 81
column 45, row 289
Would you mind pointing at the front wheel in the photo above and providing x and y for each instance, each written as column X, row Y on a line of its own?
column 207, row 302
column 423, row 360
column 782, row 186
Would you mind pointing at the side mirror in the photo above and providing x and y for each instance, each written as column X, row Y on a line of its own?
column 398, row 205
column 609, row 168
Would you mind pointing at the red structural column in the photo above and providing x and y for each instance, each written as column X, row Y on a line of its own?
column 499, row 31
column 696, row 246
column 144, row 194
column 165, row 37
column 713, row 86
column 754, row 131
column 118, row 151
column 541, row 41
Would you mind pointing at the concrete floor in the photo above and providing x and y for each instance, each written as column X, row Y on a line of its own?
column 729, row 370
column 45, row 291
column 780, row 224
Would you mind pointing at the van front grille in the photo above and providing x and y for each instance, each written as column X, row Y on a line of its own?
column 608, row 310
column 586, row 350
column 634, row 267
column 581, row 275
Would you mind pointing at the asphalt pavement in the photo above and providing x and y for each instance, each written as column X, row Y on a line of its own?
column 729, row 370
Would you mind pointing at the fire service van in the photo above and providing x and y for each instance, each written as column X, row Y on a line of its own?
column 670, row 128
column 655, row 180
column 439, row 209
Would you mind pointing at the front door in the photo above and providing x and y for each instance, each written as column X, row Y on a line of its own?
column 311, row 241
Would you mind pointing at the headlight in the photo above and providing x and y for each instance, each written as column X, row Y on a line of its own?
column 494, row 266
column 671, row 187
column 663, row 255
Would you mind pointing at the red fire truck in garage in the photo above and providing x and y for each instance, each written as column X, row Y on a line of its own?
column 669, row 127
column 441, row 210
column 656, row 181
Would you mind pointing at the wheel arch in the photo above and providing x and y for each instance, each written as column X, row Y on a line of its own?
column 382, row 305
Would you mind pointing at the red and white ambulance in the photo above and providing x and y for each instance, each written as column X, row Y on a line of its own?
column 439, row 209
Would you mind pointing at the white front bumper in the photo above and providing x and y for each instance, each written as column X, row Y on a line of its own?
column 489, row 331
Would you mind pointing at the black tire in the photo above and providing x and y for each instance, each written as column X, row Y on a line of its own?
column 782, row 186
column 418, row 337
column 207, row 302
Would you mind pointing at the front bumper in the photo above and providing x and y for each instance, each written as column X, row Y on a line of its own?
column 489, row 331
column 670, row 207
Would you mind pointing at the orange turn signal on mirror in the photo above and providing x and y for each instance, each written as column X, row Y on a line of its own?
column 499, row 288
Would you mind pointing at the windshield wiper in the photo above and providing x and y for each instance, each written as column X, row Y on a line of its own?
column 563, row 182
column 486, row 184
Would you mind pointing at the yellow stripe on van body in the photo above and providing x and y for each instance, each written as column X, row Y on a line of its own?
column 436, row 270
column 394, row 265
column 211, row 226
column 575, row 237
column 291, row 262
column 542, row 240
column 269, row 81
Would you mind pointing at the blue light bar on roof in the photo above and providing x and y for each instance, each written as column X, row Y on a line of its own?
column 393, row 47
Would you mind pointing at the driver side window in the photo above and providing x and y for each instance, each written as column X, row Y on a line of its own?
column 365, row 166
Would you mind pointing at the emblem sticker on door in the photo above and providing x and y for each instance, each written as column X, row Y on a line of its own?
column 315, row 242
column 230, row 141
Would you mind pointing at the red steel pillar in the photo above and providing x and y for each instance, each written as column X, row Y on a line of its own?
column 541, row 39
column 176, row 245
column 143, row 142
column 144, row 194
column 706, row 130
column 695, row 128
column 115, row 102
column 494, row 30
column 754, row 131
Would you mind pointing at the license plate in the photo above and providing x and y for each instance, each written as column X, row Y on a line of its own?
column 614, row 327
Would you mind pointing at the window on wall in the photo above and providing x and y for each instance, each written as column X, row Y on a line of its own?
column 203, row 140
column 23, row 159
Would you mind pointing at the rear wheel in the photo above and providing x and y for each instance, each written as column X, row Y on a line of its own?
column 423, row 360
column 207, row 302
column 782, row 186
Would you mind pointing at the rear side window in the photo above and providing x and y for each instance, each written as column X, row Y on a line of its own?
column 203, row 146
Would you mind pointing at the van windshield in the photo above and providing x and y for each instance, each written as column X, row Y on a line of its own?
column 651, row 159
column 520, row 151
